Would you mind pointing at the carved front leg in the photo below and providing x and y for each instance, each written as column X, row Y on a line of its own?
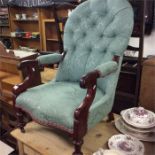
column 20, row 119
column 77, row 146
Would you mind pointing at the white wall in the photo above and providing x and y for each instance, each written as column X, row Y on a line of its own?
column 149, row 44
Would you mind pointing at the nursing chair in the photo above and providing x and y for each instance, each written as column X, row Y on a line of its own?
column 96, row 35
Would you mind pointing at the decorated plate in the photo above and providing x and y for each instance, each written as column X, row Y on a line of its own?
column 101, row 151
column 139, row 117
column 127, row 144
column 144, row 135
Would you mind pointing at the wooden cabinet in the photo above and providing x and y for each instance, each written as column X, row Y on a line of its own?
column 51, row 40
column 47, row 22
column 128, row 87
column 53, row 25
column 5, row 27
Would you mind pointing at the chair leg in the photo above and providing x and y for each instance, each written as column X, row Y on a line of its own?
column 77, row 147
column 110, row 117
column 20, row 118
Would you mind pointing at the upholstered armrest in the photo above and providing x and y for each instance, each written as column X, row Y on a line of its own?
column 90, row 79
column 50, row 59
column 107, row 68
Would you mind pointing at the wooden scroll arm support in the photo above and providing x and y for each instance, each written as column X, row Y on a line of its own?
column 89, row 82
column 31, row 75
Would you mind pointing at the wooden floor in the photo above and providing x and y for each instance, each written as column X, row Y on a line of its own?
column 40, row 140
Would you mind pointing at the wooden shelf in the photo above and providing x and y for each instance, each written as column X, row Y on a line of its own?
column 4, row 25
column 27, row 38
column 4, row 18
column 125, row 94
column 25, row 20
column 50, row 39
column 133, row 48
column 127, row 72
column 5, row 29
column 49, row 20
column 5, row 36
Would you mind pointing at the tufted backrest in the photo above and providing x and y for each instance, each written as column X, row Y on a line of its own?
column 95, row 32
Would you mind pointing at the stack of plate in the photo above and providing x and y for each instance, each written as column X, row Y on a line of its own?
column 137, row 122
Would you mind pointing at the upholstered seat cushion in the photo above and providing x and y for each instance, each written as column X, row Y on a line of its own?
column 56, row 102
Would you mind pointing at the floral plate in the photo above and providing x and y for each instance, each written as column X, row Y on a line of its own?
column 147, row 135
column 127, row 144
column 139, row 117
column 101, row 151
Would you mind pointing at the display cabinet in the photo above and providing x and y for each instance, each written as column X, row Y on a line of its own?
column 53, row 25
column 128, row 87
column 5, row 27
column 25, row 27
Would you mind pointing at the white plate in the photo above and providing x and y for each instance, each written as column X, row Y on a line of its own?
column 101, row 151
column 124, row 128
column 127, row 144
column 139, row 117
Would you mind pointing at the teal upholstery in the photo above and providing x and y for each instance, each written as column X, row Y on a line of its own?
column 95, row 32
column 107, row 68
column 63, row 99
column 49, row 59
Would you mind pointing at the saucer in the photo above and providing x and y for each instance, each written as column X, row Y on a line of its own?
column 139, row 117
column 101, row 151
column 127, row 144
column 141, row 134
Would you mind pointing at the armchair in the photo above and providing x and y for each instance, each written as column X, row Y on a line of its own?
column 95, row 37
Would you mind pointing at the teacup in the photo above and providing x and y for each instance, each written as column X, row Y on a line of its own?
column 18, row 16
column 24, row 16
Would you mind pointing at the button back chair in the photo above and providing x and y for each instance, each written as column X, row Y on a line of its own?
column 96, row 35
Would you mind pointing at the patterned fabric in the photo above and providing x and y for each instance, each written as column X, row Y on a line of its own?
column 54, row 102
column 107, row 68
column 95, row 32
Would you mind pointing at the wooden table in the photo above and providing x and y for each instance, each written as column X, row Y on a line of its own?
column 40, row 140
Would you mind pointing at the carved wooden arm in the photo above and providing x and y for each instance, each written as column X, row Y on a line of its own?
column 31, row 74
column 89, row 81
column 31, row 71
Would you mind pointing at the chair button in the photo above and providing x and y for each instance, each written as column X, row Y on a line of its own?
column 89, row 49
column 101, row 36
column 84, row 34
